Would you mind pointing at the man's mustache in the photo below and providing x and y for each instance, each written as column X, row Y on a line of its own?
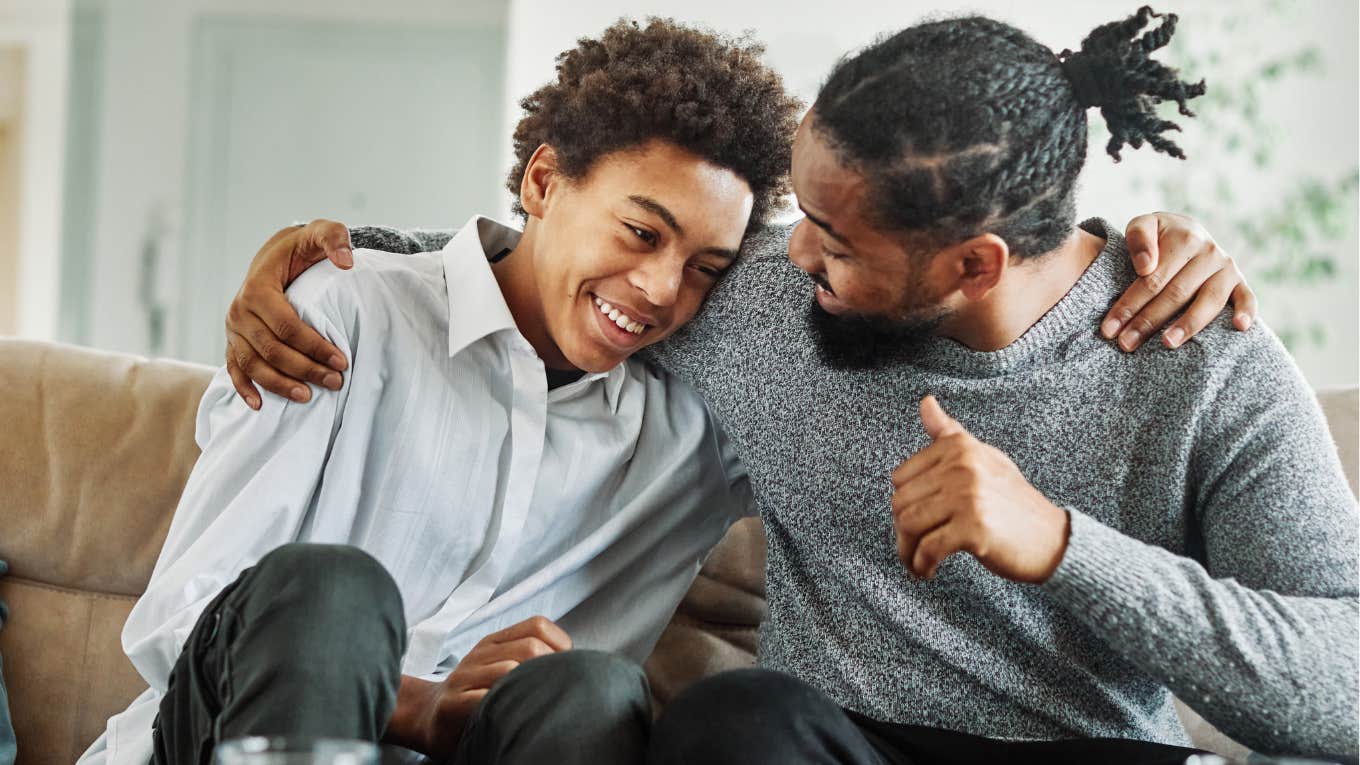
column 821, row 281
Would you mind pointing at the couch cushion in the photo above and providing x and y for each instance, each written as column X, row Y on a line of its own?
column 1341, row 406
column 714, row 628
column 63, row 667
column 96, row 450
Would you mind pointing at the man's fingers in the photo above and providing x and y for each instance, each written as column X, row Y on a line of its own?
column 244, row 388
column 537, row 627
column 936, row 545
column 290, row 363
column 289, row 329
column 1141, row 238
column 325, row 239
column 937, row 423
column 249, row 363
column 917, row 464
column 1178, row 292
column 916, row 491
column 914, row 524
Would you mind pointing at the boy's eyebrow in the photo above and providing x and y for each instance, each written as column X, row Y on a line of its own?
column 823, row 225
column 657, row 209
column 660, row 211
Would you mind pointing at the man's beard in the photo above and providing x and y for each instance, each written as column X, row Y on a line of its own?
column 863, row 341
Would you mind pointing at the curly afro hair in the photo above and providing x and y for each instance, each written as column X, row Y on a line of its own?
column 704, row 92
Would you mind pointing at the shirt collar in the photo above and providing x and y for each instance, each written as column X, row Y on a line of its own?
column 477, row 308
column 612, row 380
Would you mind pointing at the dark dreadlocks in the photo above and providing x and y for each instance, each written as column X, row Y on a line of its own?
column 968, row 126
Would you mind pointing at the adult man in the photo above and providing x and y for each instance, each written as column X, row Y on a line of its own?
column 1198, row 537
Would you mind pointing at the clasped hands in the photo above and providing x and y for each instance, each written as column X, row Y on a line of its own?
column 961, row 495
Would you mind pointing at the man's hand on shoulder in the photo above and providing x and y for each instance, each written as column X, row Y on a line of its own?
column 1181, row 270
column 266, row 339
column 962, row 495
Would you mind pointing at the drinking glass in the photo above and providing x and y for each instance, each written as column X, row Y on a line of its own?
column 261, row 750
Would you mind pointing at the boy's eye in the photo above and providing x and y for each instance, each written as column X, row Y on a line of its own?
column 710, row 271
column 643, row 234
column 834, row 255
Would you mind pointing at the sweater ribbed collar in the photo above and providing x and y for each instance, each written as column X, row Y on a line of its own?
column 1076, row 316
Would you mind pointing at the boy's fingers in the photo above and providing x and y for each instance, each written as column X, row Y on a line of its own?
column 1141, row 238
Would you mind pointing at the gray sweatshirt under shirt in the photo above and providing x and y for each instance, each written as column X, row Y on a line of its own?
column 1213, row 548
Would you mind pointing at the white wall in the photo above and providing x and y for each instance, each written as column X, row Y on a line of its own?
column 144, row 122
column 11, row 102
column 41, row 29
column 804, row 41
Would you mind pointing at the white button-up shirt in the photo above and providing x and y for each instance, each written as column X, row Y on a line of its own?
column 487, row 496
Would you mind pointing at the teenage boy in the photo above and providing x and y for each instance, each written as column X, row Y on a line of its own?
column 494, row 481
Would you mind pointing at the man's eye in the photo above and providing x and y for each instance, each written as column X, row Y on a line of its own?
column 710, row 271
column 643, row 234
column 834, row 255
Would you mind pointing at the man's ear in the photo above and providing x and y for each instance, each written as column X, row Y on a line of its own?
column 980, row 263
column 535, row 187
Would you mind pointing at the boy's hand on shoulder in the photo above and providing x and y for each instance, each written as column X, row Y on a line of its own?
column 1183, row 275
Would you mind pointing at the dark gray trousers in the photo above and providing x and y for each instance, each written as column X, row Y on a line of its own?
column 761, row 717
column 309, row 641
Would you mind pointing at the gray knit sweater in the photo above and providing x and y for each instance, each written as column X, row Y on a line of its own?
column 1213, row 549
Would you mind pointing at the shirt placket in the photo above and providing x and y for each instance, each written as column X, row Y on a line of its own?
column 528, row 423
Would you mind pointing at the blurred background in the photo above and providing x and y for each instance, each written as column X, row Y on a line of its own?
column 149, row 147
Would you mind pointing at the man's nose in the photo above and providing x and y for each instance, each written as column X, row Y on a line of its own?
column 803, row 250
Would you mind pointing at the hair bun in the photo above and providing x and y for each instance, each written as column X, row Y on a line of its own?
column 1077, row 67
column 1114, row 70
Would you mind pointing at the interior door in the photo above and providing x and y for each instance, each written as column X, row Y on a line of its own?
column 293, row 120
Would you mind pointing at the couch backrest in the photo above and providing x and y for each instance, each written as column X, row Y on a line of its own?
column 95, row 450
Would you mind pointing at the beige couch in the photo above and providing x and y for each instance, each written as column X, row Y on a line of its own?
column 95, row 450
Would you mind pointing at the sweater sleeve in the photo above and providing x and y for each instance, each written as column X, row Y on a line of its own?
column 396, row 240
column 1258, row 632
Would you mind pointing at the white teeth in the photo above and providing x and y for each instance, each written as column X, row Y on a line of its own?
column 620, row 318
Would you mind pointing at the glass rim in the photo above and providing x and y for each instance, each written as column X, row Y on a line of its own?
column 297, row 744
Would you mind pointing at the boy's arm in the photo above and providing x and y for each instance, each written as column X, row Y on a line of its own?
column 248, row 493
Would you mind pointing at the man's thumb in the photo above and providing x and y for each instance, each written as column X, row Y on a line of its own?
column 327, row 239
column 938, row 424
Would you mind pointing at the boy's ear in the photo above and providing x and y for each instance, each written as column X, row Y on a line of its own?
column 535, row 187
